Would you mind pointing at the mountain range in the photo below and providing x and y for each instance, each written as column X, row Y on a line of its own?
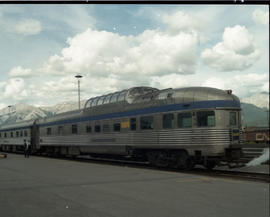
column 22, row 112
column 252, row 115
column 260, row 100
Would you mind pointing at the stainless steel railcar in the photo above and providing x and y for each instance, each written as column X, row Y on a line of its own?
column 12, row 136
column 171, row 127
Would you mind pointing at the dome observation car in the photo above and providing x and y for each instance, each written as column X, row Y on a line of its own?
column 128, row 96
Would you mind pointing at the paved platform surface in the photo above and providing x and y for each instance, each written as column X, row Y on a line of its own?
column 44, row 187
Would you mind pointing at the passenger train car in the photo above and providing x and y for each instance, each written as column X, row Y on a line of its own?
column 171, row 127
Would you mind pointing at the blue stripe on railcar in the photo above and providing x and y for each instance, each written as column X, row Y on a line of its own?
column 151, row 110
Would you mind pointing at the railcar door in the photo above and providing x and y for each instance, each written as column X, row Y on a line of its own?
column 35, row 137
column 235, row 126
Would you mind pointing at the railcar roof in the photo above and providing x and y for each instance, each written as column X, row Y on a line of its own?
column 195, row 94
column 17, row 125
column 142, row 94
column 60, row 116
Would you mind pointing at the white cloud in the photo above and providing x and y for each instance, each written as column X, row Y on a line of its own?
column 242, row 85
column 66, row 89
column 2, row 105
column 15, row 89
column 169, row 81
column 260, row 16
column 102, row 53
column 180, row 20
column 20, row 72
column 237, row 51
column 75, row 17
column 28, row 27
column 23, row 26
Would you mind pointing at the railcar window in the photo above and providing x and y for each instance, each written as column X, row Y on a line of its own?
column 74, row 129
column 121, row 96
column 147, row 123
column 100, row 101
column 184, row 120
column 17, row 133
column 90, row 103
column 21, row 133
column 133, row 124
column 49, row 131
column 11, row 134
column 114, row 97
column 60, row 130
column 107, row 99
column 116, row 127
column 25, row 133
column 168, row 120
column 206, row 119
column 5, row 135
column 97, row 128
column 94, row 103
column 0, row 135
column 88, row 129
column 106, row 128
column 232, row 118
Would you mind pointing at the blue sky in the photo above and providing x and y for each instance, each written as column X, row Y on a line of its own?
column 119, row 46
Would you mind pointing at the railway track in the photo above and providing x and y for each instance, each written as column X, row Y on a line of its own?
column 250, row 176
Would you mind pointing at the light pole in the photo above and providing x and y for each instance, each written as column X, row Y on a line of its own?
column 78, row 77
column 9, row 109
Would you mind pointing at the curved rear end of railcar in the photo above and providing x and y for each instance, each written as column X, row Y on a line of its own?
column 208, row 124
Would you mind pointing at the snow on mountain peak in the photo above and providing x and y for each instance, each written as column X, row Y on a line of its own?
column 63, row 107
column 21, row 112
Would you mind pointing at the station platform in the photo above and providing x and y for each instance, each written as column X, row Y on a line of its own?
column 48, row 187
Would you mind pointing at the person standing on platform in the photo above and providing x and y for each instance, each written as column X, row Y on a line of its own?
column 26, row 149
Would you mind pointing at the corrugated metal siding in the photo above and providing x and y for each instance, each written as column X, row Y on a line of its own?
column 194, row 137
column 14, row 141
column 145, row 138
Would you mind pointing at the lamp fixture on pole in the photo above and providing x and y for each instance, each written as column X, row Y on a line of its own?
column 9, row 107
column 78, row 77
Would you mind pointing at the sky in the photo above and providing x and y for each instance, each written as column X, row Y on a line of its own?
column 116, row 47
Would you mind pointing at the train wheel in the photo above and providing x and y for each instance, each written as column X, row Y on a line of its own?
column 210, row 165
column 158, row 158
column 184, row 161
column 152, row 158
column 162, row 159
